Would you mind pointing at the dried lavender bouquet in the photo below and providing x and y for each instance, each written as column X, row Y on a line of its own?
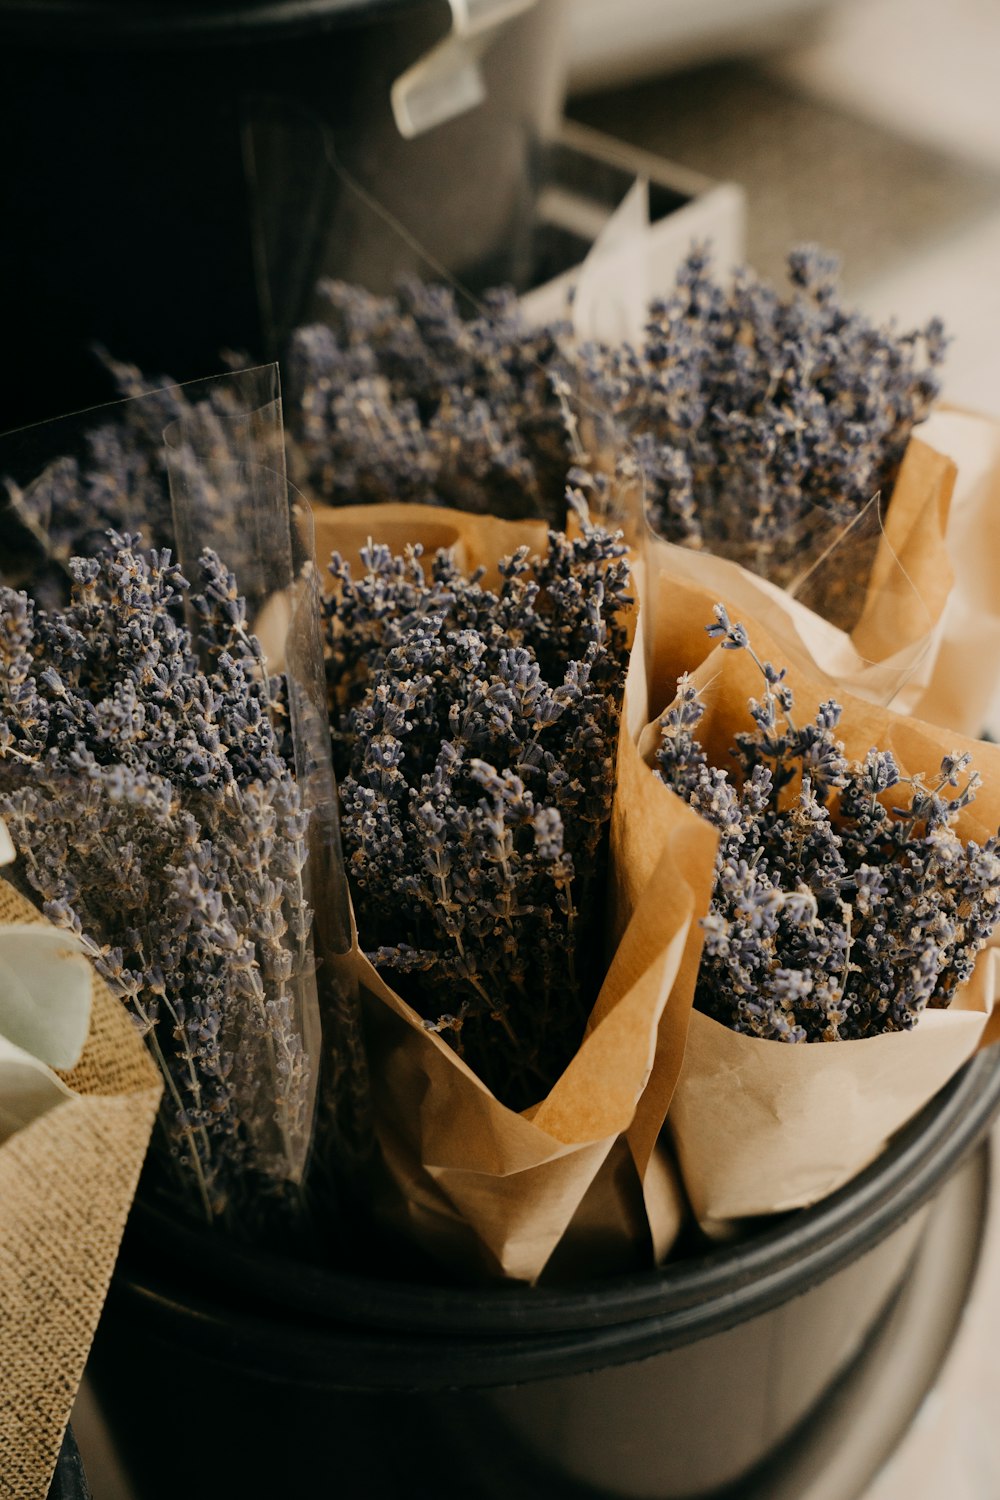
column 155, row 814
column 475, row 734
column 836, row 915
column 402, row 398
column 113, row 474
column 759, row 426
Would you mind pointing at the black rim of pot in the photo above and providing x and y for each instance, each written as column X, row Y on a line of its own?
column 400, row 1335
column 69, row 1481
column 86, row 23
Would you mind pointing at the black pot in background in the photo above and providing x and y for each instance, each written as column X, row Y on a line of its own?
column 274, row 1378
column 141, row 211
column 69, row 1481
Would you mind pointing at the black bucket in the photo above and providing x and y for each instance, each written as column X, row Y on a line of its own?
column 69, row 1481
column 171, row 181
column 227, row 1372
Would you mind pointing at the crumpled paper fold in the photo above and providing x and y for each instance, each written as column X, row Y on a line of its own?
column 963, row 684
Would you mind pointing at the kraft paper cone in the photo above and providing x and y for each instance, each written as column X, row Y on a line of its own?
column 492, row 1192
column 66, row 1182
column 890, row 655
column 759, row 1126
column 963, row 684
column 474, row 541
column 489, row 1191
column 927, row 642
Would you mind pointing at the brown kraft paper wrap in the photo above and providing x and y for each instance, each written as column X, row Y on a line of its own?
column 889, row 656
column 66, row 1182
column 487, row 1190
column 759, row 1126
column 962, row 689
column 927, row 640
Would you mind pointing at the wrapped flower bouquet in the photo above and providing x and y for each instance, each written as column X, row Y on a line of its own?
column 846, row 972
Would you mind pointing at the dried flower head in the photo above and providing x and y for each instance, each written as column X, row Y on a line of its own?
column 156, row 816
column 401, row 398
column 475, row 737
column 835, row 915
column 760, row 424
column 756, row 426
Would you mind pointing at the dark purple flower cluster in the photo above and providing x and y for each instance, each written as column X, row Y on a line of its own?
column 475, row 733
column 401, row 398
column 761, row 425
column 115, row 476
column 834, row 915
column 757, row 426
column 155, row 815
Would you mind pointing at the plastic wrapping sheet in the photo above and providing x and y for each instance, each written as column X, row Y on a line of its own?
column 226, row 469
column 195, row 468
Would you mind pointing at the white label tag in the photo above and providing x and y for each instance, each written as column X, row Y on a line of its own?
column 444, row 84
column 45, row 985
column 470, row 17
column 612, row 294
column 447, row 81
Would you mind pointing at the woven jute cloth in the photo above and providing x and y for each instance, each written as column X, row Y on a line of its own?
column 66, row 1183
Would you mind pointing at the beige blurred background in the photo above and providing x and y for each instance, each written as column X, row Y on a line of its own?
column 871, row 126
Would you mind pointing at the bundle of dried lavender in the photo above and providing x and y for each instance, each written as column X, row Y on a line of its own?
column 114, row 475
column 834, row 915
column 401, row 398
column 156, row 816
column 761, row 424
column 475, row 739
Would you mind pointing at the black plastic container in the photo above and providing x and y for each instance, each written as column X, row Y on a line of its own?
column 169, row 181
column 69, row 1481
column 664, row 1384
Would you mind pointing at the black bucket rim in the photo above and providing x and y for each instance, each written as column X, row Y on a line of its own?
column 69, row 1482
column 363, row 1332
column 58, row 24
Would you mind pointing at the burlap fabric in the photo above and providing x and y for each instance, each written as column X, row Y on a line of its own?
column 66, row 1183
